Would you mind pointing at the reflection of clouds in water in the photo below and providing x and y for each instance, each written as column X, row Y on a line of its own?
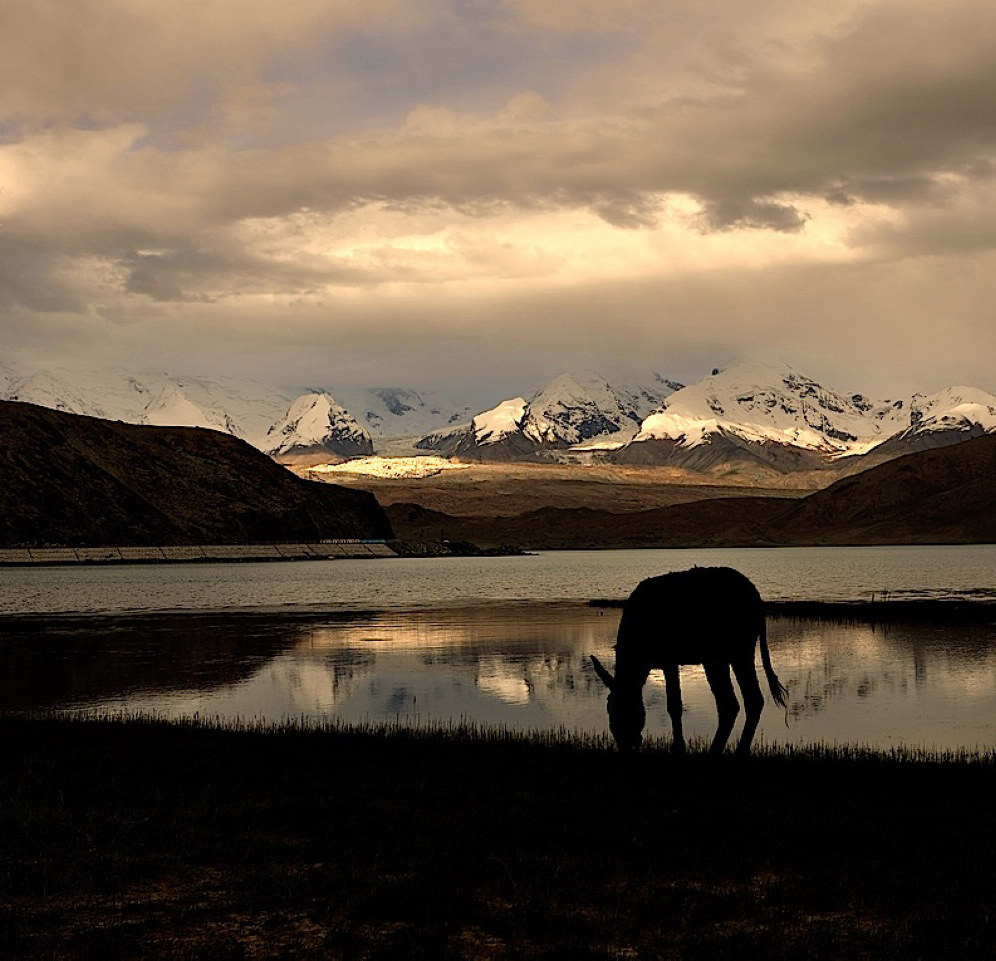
column 527, row 666
column 457, row 634
column 828, row 662
column 516, row 681
column 504, row 686
column 314, row 686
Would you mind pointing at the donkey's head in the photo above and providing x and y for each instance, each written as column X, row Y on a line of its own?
column 627, row 716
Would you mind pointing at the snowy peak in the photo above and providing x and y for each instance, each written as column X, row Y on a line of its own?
column 493, row 425
column 760, row 404
column 243, row 408
column 314, row 429
column 571, row 410
column 577, row 407
column 392, row 412
column 47, row 389
column 954, row 408
column 173, row 408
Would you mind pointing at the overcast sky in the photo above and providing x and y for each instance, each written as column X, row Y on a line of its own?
column 480, row 194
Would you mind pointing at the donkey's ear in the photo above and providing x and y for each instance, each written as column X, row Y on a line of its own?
column 606, row 678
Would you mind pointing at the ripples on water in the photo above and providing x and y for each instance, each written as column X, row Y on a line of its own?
column 835, row 573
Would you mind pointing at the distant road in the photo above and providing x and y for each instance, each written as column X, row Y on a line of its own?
column 17, row 556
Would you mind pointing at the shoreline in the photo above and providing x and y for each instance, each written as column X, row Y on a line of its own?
column 117, row 556
column 392, row 548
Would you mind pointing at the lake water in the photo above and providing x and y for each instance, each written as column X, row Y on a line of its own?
column 829, row 573
column 494, row 640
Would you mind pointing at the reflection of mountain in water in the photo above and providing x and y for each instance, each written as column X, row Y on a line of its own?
column 47, row 663
column 523, row 666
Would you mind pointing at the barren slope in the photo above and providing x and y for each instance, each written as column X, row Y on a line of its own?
column 75, row 480
column 506, row 490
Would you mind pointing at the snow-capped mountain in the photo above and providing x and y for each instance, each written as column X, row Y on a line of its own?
column 496, row 424
column 755, row 417
column 947, row 417
column 494, row 434
column 777, row 418
column 760, row 403
column 244, row 408
column 390, row 413
column 954, row 408
column 317, row 430
column 571, row 410
column 574, row 408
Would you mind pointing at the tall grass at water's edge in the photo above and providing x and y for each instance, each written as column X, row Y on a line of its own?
column 463, row 732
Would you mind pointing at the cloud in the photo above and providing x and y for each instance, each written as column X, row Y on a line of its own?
column 105, row 62
column 337, row 169
column 34, row 279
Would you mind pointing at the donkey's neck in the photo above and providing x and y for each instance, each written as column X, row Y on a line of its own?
column 631, row 671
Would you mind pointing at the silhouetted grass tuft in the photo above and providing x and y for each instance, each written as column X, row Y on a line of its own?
column 462, row 731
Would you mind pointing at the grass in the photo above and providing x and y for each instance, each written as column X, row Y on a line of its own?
column 137, row 838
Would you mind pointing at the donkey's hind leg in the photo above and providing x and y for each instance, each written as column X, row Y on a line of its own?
column 727, row 706
column 753, row 703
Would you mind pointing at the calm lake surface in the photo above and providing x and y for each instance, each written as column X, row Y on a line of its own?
column 493, row 640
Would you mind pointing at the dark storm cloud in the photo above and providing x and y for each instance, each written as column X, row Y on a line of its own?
column 33, row 279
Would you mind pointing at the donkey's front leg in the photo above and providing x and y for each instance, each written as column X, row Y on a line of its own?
column 672, row 683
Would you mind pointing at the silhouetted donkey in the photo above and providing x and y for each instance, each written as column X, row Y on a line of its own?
column 711, row 616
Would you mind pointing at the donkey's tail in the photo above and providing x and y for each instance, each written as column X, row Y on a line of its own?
column 778, row 691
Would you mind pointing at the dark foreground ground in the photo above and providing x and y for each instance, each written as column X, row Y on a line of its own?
column 132, row 840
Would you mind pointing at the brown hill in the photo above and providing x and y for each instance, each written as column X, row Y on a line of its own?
column 74, row 480
column 945, row 495
column 718, row 522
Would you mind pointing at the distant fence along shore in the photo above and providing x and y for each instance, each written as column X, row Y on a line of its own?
column 165, row 554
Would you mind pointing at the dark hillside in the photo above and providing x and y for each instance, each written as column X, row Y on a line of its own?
column 944, row 495
column 718, row 522
column 74, row 480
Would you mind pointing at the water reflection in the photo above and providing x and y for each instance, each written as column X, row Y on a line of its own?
column 522, row 665
column 64, row 662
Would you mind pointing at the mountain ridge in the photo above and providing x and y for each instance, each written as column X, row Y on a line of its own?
column 756, row 419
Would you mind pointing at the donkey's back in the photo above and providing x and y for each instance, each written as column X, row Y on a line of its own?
column 691, row 617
